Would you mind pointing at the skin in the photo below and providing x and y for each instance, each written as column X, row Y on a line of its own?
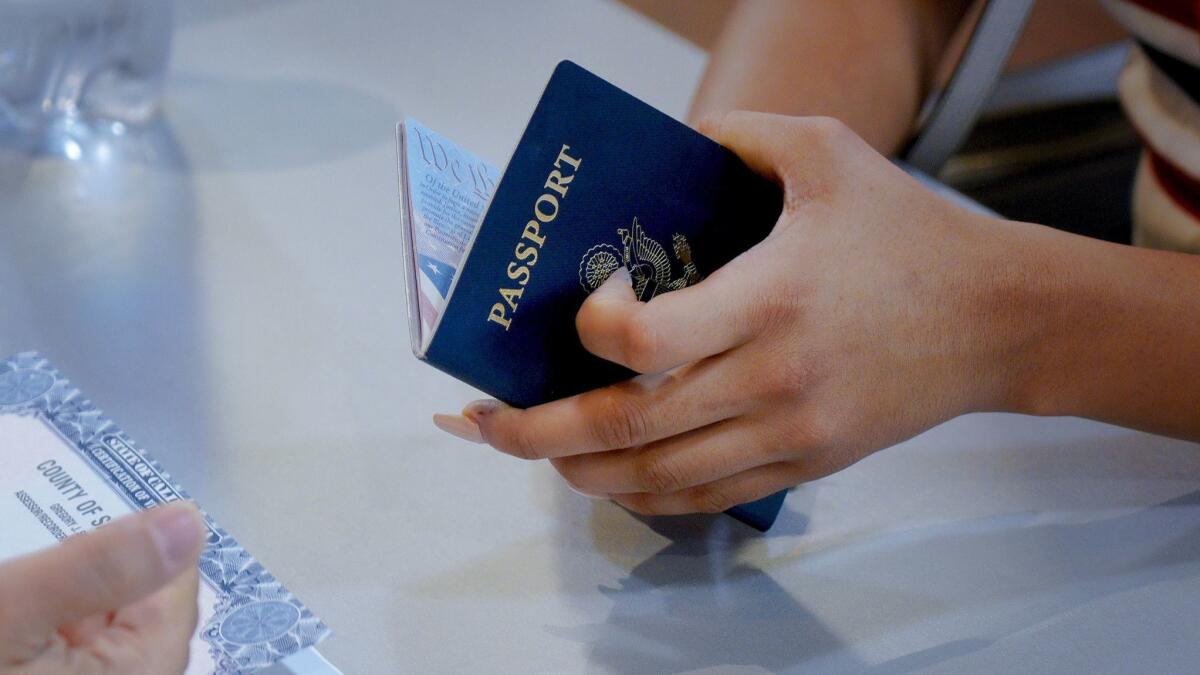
column 873, row 311
column 869, row 64
column 118, row 600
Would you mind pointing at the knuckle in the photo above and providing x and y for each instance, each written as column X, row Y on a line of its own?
column 786, row 378
column 779, row 440
column 711, row 499
column 827, row 132
column 640, row 344
column 816, row 430
column 589, row 320
column 657, row 476
column 769, row 309
column 821, row 436
column 569, row 469
column 808, row 435
column 820, row 432
column 620, row 422
column 516, row 440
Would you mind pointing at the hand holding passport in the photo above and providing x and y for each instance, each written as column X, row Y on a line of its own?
column 619, row 241
column 599, row 182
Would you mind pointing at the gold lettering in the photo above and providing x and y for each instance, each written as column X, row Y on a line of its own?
column 555, row 181
column 564, row 157
column 545, row 210
column 525, row 252
column 511, row 296
column 537, row 210
column 532, row 232
column 499, row 315
column 519, row 274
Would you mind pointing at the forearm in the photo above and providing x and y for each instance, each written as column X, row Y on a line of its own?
column 1110, row 333
column 868, row 64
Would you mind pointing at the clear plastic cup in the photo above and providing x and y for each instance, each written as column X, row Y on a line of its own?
column 86, row 59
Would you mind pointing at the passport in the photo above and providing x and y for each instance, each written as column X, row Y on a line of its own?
column 599, row 180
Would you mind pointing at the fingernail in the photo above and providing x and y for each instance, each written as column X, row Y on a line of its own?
column 582, row 493
column 621, row 276
column 619, row 282
column 457, row 425
column 481, row 408
column 177, row 529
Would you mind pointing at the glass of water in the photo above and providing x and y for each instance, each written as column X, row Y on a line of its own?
column 82, row 60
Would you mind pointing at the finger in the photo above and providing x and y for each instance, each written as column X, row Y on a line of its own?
column 638, row 411
column 87, row 628
column 720, row 495
column 673, row 464
column 96, row 572
column 169, row 610
column 151, row 635
column 673, row 328
column 165, row 622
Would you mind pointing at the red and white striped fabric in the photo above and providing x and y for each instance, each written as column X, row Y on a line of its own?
column 1160, row 90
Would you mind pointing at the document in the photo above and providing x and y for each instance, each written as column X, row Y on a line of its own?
column 67, row 470
column 447, row 189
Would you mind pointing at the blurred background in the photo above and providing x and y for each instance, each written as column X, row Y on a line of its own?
column 1052, row 146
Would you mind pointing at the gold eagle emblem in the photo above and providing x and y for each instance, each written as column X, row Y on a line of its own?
column 648, row 263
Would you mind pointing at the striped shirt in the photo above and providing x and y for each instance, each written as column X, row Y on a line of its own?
column 1160, row 91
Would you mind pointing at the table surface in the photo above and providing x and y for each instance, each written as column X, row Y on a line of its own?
column 228, row 286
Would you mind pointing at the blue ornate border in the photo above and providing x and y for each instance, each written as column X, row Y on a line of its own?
column 256, row 621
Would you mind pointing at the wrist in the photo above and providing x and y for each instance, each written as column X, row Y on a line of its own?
column 1026, row 311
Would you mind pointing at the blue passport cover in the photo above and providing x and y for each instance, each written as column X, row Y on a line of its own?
column 598, row 179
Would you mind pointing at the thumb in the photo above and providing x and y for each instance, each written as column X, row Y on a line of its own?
column 673, row 328
column 94, row 573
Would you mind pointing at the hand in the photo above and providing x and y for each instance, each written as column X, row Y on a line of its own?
column 873, row 311
column 119, row 600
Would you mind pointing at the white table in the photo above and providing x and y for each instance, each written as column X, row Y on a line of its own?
column 232, row 295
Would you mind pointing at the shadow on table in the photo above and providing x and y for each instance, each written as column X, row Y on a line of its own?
column 697, row 604
column 954, row 594
column 98, row 271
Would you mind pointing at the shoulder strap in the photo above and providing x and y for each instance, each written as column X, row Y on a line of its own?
column 954, row 111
